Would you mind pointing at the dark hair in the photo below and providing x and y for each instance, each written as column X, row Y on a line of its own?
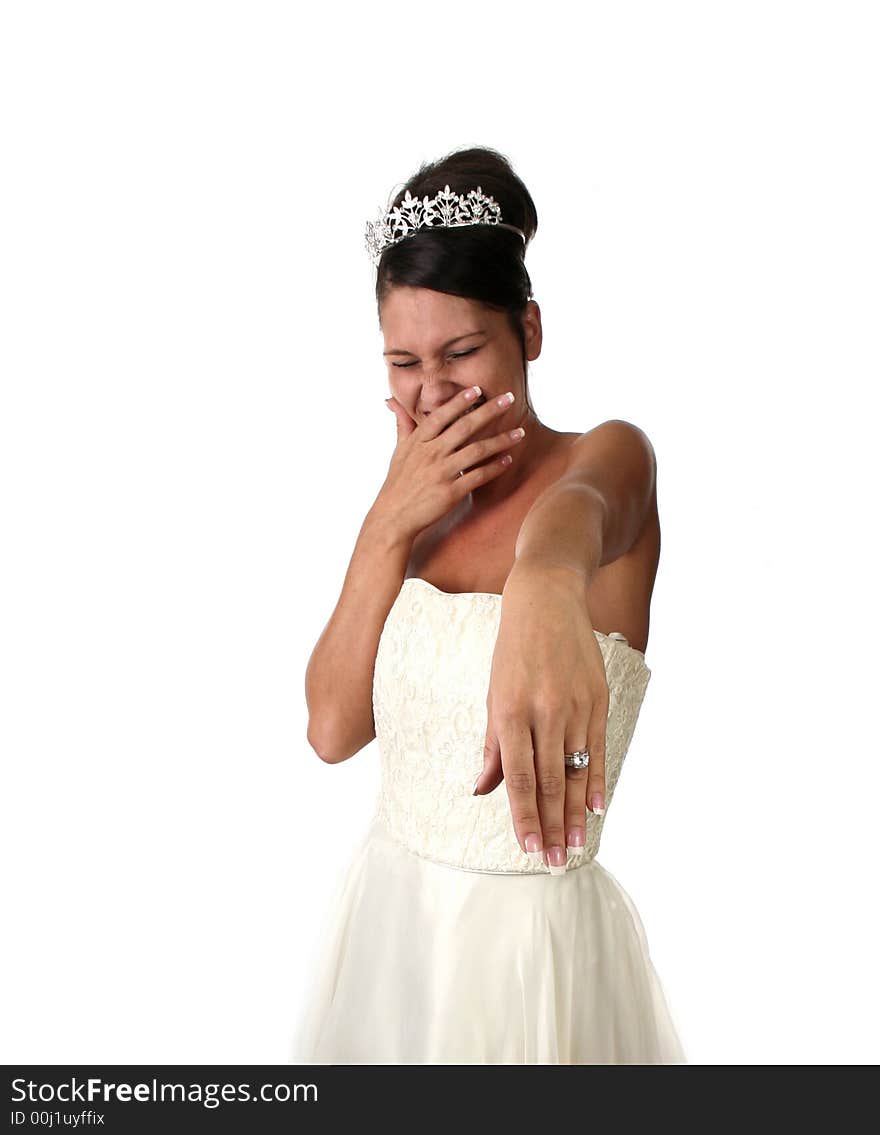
column 484, row 263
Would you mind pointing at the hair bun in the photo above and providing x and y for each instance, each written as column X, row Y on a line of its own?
column 481, row 262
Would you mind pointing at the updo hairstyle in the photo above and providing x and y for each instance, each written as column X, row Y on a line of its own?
column 484, row 263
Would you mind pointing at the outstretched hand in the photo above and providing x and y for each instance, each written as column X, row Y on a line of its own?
column 548, row 695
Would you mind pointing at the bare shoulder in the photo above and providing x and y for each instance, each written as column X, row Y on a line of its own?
column 609, row 443
column 616, row 460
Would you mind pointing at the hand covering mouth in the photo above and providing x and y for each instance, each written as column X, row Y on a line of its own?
column 481, row 401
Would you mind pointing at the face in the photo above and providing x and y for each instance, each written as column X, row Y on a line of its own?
column 437, row 345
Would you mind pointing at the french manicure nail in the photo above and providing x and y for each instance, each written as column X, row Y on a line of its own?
column 533, row 849
column 598, row 804
column 476, row 782
column 575, row 842
column 556, row 860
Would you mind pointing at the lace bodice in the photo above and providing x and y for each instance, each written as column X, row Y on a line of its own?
column 430, row 686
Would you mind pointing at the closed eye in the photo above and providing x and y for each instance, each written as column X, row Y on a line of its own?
column 457, row 355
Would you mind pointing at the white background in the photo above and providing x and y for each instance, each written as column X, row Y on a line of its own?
column 192, row 430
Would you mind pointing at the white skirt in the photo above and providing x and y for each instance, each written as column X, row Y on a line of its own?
column 421, row 963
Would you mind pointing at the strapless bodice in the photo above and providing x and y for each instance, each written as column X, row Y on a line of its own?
column 430, row 685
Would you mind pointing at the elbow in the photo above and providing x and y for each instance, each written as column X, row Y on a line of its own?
column 321, row 734
column 328, row 752
column 335, row 745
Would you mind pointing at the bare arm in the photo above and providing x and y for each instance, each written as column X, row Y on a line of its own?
column 594, row 513
column 548, row 692
column 339, row 676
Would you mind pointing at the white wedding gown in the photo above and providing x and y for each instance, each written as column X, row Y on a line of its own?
column 446, row 944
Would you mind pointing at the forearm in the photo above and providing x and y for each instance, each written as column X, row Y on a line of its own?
column 339, row 676
column 564, row 529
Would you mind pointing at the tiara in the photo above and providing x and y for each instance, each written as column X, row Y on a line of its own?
column 445, row 210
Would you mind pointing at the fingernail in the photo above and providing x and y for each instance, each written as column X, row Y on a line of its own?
column 556, row 860
column 476, row 782
column 575, row 841
column 533, row 849
column 598, row 804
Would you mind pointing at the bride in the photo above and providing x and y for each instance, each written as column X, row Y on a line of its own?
column 490, row 635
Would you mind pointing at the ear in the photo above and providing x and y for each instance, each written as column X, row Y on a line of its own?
column 534, row 332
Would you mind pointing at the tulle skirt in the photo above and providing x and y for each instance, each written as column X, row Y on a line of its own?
column 421, row 963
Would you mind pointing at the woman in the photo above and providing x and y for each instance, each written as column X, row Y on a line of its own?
column 492, row 623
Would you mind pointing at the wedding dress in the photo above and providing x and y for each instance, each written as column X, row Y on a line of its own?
column 446, row 944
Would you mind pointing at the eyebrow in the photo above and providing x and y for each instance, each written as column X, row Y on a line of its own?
column 448, row 343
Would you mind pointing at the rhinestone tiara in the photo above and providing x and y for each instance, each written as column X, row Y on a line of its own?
column 445, row 210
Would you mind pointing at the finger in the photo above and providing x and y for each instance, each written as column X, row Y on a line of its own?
column 596, row 747
column 468, row 480
column 548, row 732
column 492, row 773
column 439, row 419
column 470, row 424
column 405, row 424
column 518, row 761
column 478, row 451
column 576, row 788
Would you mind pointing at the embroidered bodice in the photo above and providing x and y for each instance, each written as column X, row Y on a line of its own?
column 430, row 685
